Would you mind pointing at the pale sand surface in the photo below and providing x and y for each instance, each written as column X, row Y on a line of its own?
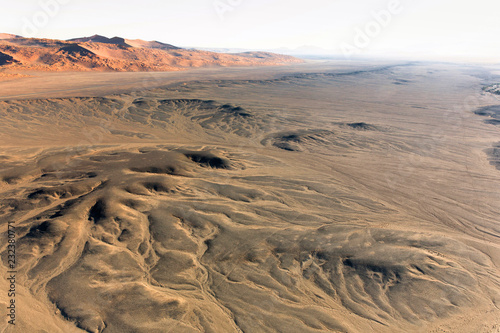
column 360, row 199
column 91, row 84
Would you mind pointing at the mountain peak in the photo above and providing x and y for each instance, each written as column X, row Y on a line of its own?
column 100, row 39
column 139, row 43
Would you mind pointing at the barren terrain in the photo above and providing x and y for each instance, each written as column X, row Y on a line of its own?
column 98, row 53
column 311, row 198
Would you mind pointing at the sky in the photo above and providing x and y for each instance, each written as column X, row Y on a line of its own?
column 398, row 28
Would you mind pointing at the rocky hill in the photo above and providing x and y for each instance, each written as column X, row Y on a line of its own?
column 99, row 53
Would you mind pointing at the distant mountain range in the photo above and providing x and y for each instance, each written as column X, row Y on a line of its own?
column 100, row 53
column 302, row 51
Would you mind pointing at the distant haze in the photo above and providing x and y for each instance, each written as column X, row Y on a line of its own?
column 442, row 29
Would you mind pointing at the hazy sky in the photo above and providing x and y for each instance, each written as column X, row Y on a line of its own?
column 428, row 27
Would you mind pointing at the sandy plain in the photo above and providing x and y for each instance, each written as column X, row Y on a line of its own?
column 318, row 197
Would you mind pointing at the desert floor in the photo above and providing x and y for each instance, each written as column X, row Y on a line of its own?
column 318, row 197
